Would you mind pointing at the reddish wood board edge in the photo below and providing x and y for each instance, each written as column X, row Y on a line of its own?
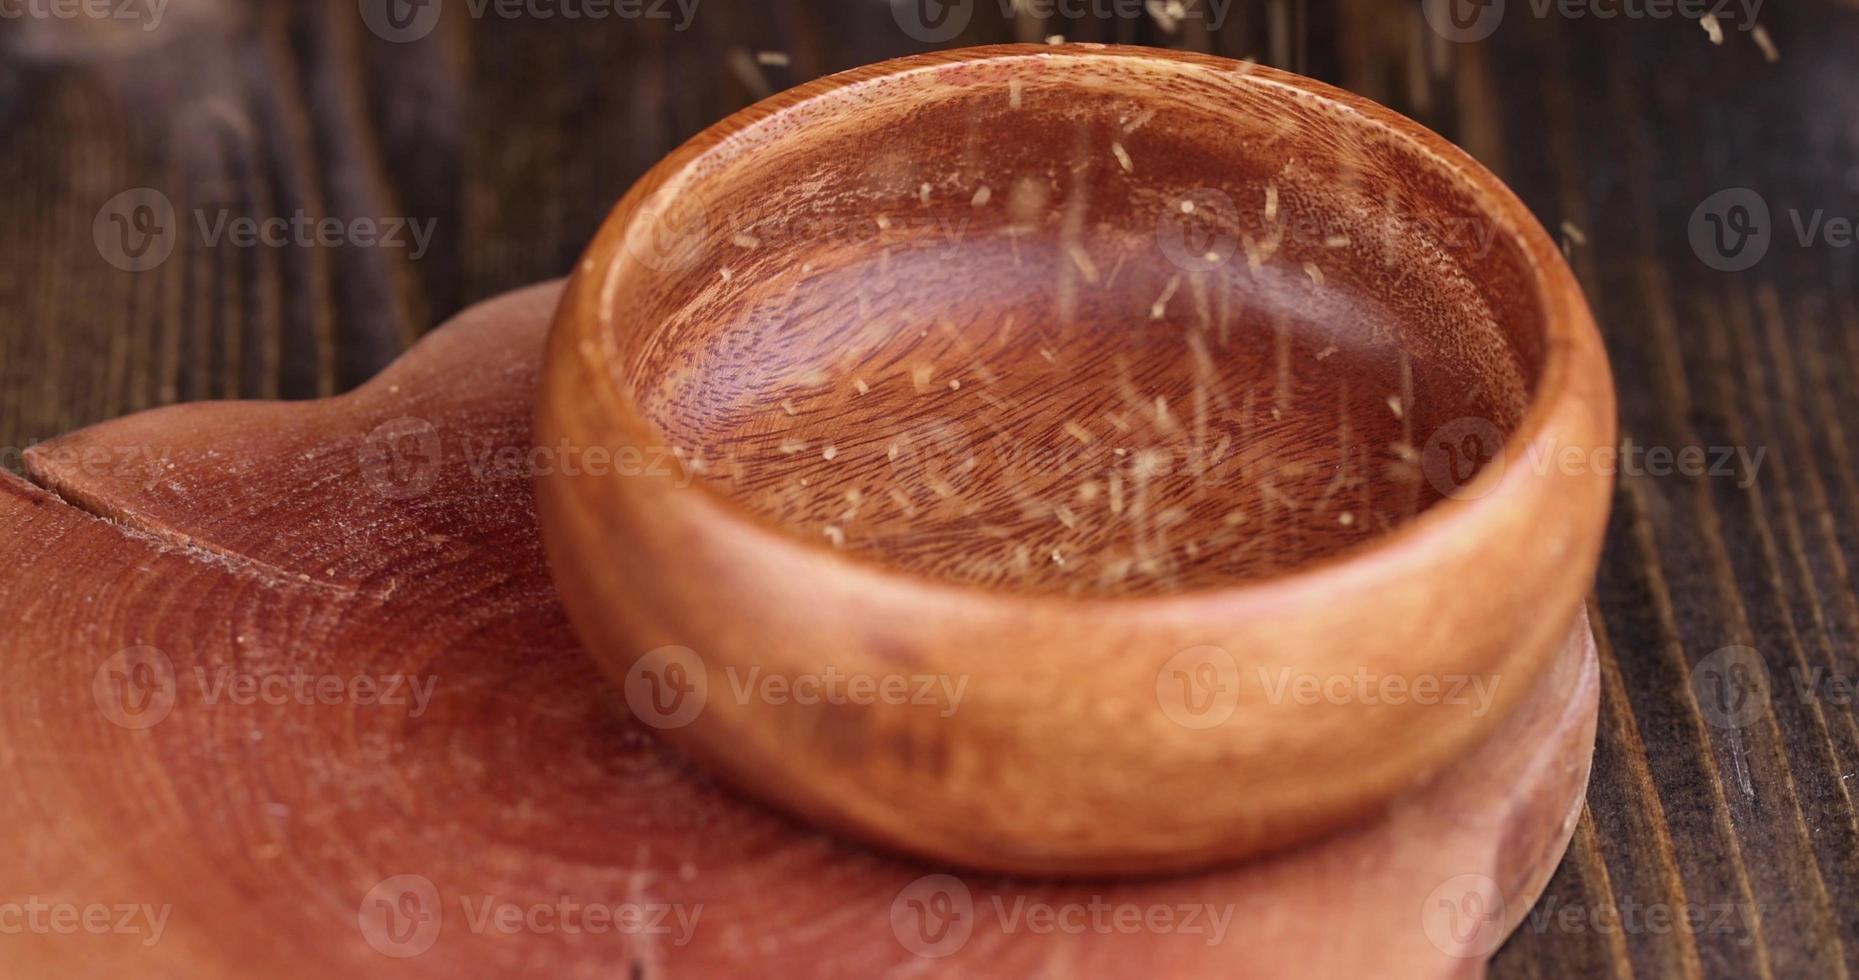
column 286, row 697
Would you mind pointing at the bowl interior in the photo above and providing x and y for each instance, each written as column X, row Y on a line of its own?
column 1078, row 324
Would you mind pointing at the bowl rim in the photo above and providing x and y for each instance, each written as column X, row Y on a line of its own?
column 1574, row 360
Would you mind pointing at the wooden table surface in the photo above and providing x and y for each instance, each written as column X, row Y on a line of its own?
column 1721, row 837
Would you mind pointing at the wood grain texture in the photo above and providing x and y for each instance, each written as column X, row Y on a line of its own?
column 517, row 136
column 291, row 695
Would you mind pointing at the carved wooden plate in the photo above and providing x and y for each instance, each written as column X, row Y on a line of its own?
column 288, row 693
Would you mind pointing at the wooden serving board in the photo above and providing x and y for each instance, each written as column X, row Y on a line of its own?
column 287, row 693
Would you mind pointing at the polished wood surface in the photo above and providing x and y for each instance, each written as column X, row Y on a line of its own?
column 516, row 136
column 291, row 695
column 792, row 379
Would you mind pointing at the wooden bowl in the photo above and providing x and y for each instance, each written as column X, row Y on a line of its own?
column 1073, row 460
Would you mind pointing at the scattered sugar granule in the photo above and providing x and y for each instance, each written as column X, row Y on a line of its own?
column 1315, row 274
column 1395, row 406
column 1160, row 307
column 982, row 196
column 1770, row 53
column 725, row 273
column 860, row 385
column 1079, row 433
column 1712, row 27
column 1168, row 14
column 835, row 535
column 1082, row 260
column 1055, row 39
column 1574, row 232
column 745, row 240
column 923, row 193
column 955, row 384
column 773, row 59
column 829, row 453
column 1123, row 158
column 787, row 405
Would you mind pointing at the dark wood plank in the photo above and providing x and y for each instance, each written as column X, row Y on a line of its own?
column 514, row 137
